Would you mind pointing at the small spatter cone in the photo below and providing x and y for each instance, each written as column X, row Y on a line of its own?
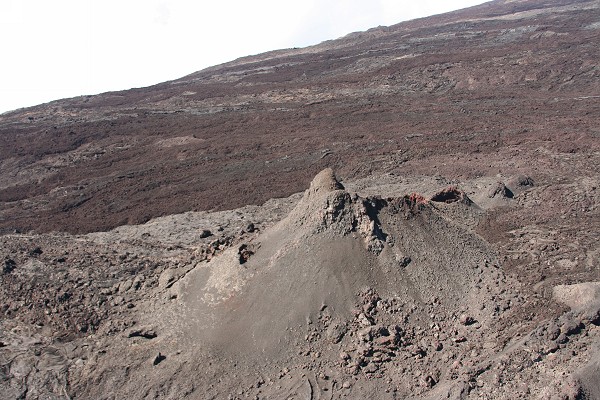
column 451, row 194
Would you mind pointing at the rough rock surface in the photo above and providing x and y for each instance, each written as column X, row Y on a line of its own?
column 507, row 87
column 343, row 294
column 412, row 274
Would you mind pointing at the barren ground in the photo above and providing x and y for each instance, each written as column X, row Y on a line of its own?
column 173, row 241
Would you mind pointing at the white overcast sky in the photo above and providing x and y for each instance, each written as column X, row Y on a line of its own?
column 53, row 49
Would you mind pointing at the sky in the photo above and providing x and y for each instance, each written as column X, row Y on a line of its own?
column 66, row 48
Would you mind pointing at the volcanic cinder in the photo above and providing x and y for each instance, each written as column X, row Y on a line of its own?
column 407, row 212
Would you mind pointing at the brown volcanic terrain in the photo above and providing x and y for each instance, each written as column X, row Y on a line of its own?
column 471, row 93
column 457, row 256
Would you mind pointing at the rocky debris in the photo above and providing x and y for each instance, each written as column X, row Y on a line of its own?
column 403, row 261
column 455, row 137
column 158, row 359
column 204, row 233
column 466, row 319
column 371, row 345
column 379, row 342
column 9, row 266
column 425, row 346
column 499, row 190
column 470, row 316
column 75, row 296
column 520, row 182
column 245, row 252
column 143, row 332
column 216, row 246
column 35, row 252
column 451, row 194
column 336, row 332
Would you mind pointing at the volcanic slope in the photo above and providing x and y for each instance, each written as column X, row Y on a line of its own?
column 346, row 296
column 491, row 89
column 483, row 286
column 339, row 274
column 333, row 293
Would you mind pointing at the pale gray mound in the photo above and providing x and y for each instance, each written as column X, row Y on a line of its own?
column 584, row 301
column 332, row 246
column 582, row 298
column 588, row 378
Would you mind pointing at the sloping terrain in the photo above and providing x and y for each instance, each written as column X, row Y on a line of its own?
column 453, row 254
column 470, row 93
column 332, row 294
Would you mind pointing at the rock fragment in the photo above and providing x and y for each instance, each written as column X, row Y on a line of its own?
column 158, row 359
column 244, row 253
column 466, row 319
column 144, row 332
column 499, row 190
column 336, row 332
column 35, row 252
column 521, row 181
column 205, row 233
column 9, row 266
column 451, row 194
